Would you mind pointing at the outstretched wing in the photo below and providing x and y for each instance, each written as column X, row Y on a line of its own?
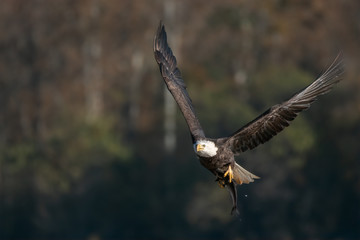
column 276, row 118
column 174, row 82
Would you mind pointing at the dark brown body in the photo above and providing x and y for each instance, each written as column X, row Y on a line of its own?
column 221, row 161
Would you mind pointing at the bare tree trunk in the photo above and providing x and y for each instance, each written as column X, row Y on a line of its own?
column 137, row 62
column 171, row 8
column 92, row 50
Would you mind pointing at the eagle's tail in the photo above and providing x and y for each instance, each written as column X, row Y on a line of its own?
column 243, row 176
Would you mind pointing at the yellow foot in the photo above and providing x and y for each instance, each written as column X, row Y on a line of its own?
column 230, row 173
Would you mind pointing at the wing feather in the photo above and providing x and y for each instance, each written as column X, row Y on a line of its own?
column 174, row 82
column 276, row 118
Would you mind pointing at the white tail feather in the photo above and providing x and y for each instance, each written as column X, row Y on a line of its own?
column 243, row 176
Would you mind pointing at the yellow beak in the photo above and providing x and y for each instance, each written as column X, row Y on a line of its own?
column 199, row 147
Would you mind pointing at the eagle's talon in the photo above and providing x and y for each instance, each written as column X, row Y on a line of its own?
column 230, row 173
column 221, row 183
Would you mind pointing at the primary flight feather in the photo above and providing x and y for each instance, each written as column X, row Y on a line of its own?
column 217, row 155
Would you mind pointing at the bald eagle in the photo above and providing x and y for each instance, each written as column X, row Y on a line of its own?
column 217, row 155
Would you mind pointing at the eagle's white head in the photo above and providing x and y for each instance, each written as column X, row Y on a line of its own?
column 205, row 148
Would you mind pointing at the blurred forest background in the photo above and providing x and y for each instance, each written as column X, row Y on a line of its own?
column 93, row 147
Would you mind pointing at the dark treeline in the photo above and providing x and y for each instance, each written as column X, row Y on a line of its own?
column 91, row 148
